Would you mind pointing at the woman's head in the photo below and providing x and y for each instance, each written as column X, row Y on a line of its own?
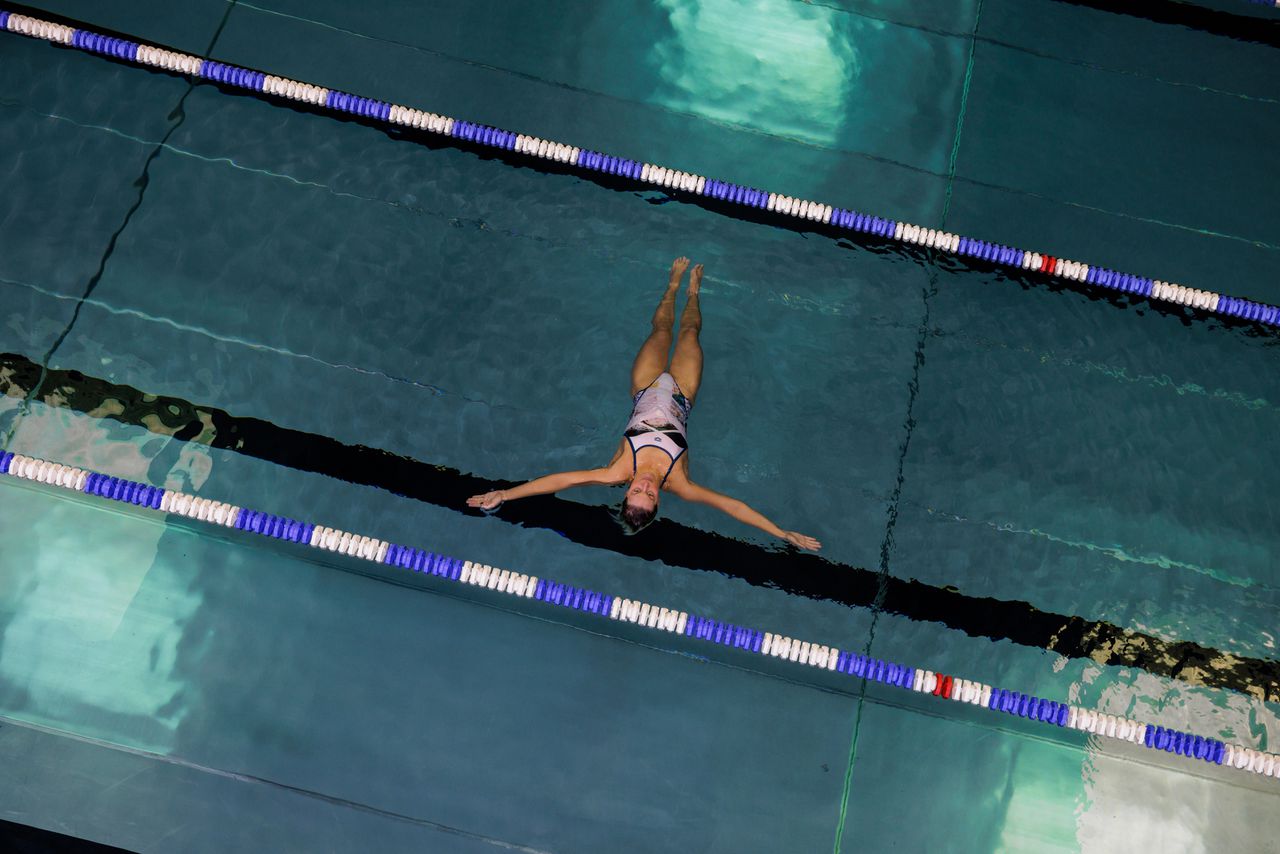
column 640, row 503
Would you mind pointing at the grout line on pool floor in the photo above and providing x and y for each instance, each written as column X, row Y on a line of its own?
column 964, row 105
column 848, row 771
column 142, row 183
column 240, row 777
column 886, row 546
column 923, row 334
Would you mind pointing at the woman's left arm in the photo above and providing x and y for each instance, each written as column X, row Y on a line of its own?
column 741, row 511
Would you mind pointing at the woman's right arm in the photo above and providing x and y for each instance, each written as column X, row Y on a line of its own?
column 543, row 485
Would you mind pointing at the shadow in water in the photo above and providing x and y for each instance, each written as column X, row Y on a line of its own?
column 800, row 574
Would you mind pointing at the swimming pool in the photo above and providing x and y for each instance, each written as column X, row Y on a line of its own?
column 321, row 319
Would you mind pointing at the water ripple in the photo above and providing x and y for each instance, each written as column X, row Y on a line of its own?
column 1115, row 551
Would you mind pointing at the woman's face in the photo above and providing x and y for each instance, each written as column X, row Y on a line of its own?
column 642, row 492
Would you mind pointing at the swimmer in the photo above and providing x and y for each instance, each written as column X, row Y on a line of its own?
column 653, row 453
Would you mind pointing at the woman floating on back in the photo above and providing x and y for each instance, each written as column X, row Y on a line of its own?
column 654, row 452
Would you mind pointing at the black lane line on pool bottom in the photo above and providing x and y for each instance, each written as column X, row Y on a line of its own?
column 1243, row 28
column 17, row 838
column 797, row 573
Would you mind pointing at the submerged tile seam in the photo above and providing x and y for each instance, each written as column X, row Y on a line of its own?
column 244, row 777
column 964, row 105
column 886, row 548
column 142, row 182
column 461, row 131
column 692, row 626
column 913, row 386
column 887, row 543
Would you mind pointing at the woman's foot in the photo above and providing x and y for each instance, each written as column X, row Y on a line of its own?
column 695, row 280
column 678, row 267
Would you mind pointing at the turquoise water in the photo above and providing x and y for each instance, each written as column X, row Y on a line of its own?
column 270, row 290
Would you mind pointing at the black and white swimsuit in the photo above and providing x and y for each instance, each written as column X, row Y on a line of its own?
column 658, row 417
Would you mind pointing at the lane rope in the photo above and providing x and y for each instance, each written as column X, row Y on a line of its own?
column 1050, row 265
column 944, row 686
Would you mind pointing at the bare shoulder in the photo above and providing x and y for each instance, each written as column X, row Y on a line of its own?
column 617, row 454
column 619, row 468
column 678, row 482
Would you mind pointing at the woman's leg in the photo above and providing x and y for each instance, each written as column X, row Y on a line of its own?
column 686, row 364
column 652, row 358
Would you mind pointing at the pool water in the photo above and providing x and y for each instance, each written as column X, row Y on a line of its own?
column 1016, row 481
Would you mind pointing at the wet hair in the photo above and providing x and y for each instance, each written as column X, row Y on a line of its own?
column 635, row 519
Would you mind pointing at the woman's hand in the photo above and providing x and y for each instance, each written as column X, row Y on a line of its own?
column 800, row 541
column 488, row 501
column 678, row 267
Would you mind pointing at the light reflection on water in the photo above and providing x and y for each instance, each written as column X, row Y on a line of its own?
column 95, row 614
column 788, row 72
column 1125, row 805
